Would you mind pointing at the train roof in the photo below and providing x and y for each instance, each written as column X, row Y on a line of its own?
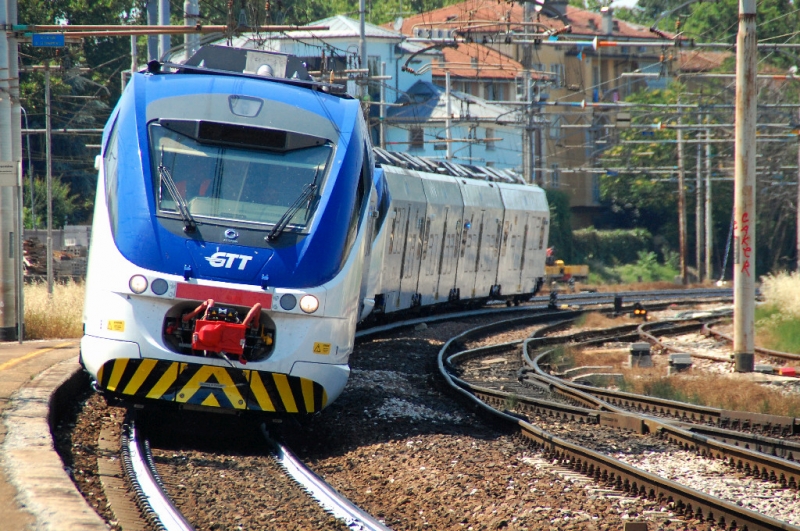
column 253, row 64
column 445, row 167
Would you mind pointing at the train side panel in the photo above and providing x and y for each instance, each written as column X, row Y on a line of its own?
column 477, row 263
column 437, row 269
column 535, row 249
column 403, row 243
column 523, row 210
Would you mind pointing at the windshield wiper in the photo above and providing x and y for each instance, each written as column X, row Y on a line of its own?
column 188, row 221
column 281, row 224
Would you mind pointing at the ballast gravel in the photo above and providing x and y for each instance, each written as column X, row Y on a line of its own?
column 400, row 446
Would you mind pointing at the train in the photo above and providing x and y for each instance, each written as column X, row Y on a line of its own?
column 244, row 225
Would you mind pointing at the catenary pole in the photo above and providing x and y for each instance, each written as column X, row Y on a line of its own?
column 152, row 40
column 744, row 234
column 709, row 217
column 798, row 201
column 163, row 19
column 382, row 127
column 49, row 157
column 16, row 150
column 681, row 202
column 8, row 192
column 191, row 11
column 362, row 45
column 698, row 213
column 448, row 131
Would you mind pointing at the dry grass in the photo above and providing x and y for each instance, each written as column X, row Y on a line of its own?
column 597, row 320
column 59, row 316
column 783, row 291
column 726, row 391
column 778, row 319
column 721, row 391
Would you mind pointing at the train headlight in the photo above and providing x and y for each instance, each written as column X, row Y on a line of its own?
column 288, row 301
column 309, row 303
column 138, row 284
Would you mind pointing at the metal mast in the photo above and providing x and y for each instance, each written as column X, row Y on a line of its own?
column 744, row 233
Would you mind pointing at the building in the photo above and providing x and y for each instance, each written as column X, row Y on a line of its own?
column 569, row 135
column 481, row 133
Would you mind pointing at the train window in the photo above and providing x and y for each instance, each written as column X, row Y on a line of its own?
column 234, row 183
column 110, row 165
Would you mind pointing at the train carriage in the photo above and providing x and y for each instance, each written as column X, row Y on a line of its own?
column 242, row 229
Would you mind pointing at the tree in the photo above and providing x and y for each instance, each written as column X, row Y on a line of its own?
column 65, row 205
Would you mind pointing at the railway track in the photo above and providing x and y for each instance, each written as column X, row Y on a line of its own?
column 591, row 300
column 163, row 514
column 602, row 412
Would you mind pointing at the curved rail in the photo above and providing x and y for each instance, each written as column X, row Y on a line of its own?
column 154, row 503
column 623, row 476
column 339, row 506
column 763, row 351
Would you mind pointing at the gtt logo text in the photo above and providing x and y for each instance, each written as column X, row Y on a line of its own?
column 226, row 260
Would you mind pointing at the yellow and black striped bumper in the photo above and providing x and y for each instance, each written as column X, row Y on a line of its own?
column 208, row 385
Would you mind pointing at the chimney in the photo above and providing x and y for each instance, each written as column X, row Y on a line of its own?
column 608, row 20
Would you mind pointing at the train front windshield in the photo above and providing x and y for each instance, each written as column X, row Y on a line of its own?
column 230, row 183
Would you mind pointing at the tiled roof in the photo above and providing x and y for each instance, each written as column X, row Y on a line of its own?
column 488, row 16
column 476, row 61
column 701, row 61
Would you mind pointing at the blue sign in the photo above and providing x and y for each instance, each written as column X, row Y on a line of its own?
column 648, row 133
column 49, row 40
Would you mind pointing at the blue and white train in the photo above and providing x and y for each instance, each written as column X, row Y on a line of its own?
column 242, row 229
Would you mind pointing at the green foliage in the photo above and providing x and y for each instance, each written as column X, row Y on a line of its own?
column 782, row 330
column 560, row 236
column 65, row 205
column 646, row 269
column 611, row 246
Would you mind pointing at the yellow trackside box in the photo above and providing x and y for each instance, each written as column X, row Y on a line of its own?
column 560, row 272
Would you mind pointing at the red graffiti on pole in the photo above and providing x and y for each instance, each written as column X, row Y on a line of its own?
column 745, row 243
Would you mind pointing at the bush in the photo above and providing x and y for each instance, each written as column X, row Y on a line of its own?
column 611, row 247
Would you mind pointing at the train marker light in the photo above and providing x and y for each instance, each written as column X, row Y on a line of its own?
column 288, row 301
column 159, row 286
column 309, row 303
column 138, row 284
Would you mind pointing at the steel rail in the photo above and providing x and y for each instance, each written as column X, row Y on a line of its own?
column 763, row 351
column 690, row 415
column 604, row 468
column 154, row 503
column 328, row 497
column 759, row 464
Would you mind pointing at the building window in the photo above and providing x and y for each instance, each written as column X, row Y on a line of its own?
column 557, row 70
column 416, row 138
column 554, row 177
column 494, row 91
column 489, row 143
column 555, row 127
column 596, row 188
